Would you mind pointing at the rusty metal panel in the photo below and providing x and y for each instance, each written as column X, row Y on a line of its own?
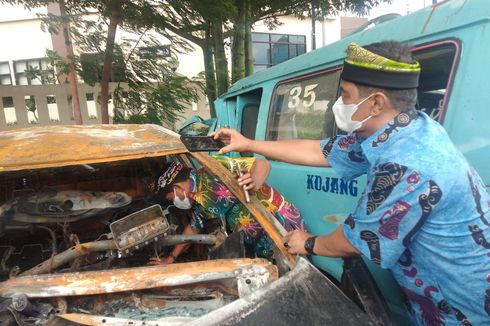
column 139, row 227
column 304, row 296
column 68, row 255
column 83, row 249
column 53, row 146
column 82, row 319
column 138, row 278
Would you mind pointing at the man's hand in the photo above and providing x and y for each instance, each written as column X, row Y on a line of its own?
column 234, row 140
column 294, row 241
column 162, row 261
column 334, row 244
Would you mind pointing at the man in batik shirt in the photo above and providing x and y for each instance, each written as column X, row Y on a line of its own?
column 424, row 213
column 210, row 199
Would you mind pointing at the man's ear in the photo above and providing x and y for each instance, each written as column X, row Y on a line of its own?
column 380, row 103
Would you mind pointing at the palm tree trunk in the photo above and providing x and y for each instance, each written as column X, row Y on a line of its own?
column 108, row 58
column 238, row 46
column 72, row 75
column 249, row 59
column 209, row 72
column 220, row 61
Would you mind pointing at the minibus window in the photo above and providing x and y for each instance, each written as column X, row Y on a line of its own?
column 437, row 62
column 250, row 115
column 249, row 120
column 301, row 108
column 247, row 112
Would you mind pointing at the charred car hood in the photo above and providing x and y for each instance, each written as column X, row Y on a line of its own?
column 55, row 146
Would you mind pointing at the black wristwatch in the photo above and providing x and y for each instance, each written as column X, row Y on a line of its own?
column 310, row 244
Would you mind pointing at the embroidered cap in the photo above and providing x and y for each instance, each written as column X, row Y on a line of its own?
column 168, row 177
column 362, row 66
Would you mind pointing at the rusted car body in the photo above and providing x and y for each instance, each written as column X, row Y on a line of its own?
column 79, row 221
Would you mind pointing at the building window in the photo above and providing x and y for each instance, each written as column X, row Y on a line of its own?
column 93, row 63
column 154, row 52
column 272, row 49
column 5, row 78
column 33, row 72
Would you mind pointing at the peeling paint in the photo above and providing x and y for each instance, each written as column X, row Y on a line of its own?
column 332, row 219
column 129, row 279
column 98, row 320
column 53, row 146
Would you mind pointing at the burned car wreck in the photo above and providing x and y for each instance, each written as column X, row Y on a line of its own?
column 79, row 221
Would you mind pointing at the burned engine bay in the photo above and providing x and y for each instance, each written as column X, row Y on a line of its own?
column 76, row 241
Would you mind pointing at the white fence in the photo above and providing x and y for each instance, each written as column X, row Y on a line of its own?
column 52, row 103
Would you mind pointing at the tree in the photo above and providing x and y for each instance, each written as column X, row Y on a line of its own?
column 154, row 89
column 251, row 11
column 67, row 60
column 207, row 23
column 114, row 7
column 66, row 73
column 135, row 16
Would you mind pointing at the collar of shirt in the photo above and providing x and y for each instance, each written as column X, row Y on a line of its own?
column 379, row 141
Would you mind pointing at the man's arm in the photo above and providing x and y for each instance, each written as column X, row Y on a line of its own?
column 177, row 251
column 334, row 244
column 304, row 152
column 180, row 248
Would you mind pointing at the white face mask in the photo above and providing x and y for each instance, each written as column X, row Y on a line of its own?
column 182, row 204
column 343, row 115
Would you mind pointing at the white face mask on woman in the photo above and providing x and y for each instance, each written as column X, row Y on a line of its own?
column 182, row 204
column 343, row 115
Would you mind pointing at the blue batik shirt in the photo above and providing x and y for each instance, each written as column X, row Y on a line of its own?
column 424, row 214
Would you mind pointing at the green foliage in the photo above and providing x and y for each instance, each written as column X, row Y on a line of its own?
column 58, row 62
column 31, row 104
column 194, row 20
column 91, row 67
column 157, row 103
column 45, row 76
column 269, row 10
column 205, row 23
column 155, row 93
column 32, row 72
column 31, row 107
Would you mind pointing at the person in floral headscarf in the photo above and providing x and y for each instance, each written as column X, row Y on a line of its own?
column 209, row 199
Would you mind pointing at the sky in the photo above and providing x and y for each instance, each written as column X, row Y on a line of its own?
column 401, row 7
